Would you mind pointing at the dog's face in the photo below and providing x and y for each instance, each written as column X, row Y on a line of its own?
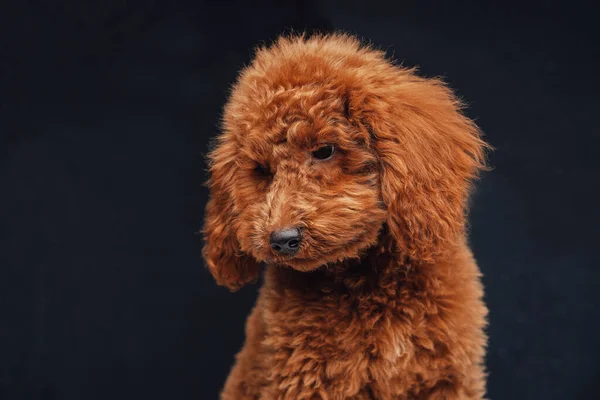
column 307, row 188
column 324, row 143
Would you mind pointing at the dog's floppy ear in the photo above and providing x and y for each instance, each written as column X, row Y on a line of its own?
column 229, row 266
column 429, row 152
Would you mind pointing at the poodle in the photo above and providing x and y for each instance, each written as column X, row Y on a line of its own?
column 347, row 177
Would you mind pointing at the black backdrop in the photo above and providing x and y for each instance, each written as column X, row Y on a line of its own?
column 107, row 109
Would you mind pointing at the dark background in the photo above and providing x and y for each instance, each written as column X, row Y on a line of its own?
column 106, row 110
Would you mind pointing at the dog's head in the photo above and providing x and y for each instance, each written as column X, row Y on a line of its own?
column 324, row 143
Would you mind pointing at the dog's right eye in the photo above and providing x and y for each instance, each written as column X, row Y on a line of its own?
column 263, row 170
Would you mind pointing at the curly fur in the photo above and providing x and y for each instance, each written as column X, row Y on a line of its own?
column 383, row 299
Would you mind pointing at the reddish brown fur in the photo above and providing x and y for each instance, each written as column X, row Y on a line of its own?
column 383, row 299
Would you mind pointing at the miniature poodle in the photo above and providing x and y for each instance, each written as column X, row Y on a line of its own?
column 348, row 178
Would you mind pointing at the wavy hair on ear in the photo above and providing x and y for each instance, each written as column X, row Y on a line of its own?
column 227, row 263
column 429, row 153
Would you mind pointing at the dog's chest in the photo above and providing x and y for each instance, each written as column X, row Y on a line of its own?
column 348, row 340
column 333, row 334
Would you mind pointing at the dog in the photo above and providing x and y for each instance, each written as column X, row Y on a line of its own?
column 348, row 177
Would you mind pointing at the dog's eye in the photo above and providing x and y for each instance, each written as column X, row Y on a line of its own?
column 324, row 152
column 263, row 170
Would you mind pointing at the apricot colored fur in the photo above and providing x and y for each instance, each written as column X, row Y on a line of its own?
column 383, row 299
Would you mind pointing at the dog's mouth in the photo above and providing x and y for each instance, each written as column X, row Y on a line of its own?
column 298, row 263
column 308, row 259
column 301, row 260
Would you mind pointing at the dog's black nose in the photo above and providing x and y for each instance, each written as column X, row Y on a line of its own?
column 286, row 240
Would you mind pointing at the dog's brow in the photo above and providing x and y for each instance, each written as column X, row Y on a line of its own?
column 276, row 134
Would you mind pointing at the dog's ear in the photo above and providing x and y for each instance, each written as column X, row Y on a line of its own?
column 226, row 262
column 429, row 152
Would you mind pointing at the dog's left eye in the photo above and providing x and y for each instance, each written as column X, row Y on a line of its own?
column 263, row 170
column 324, row 152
